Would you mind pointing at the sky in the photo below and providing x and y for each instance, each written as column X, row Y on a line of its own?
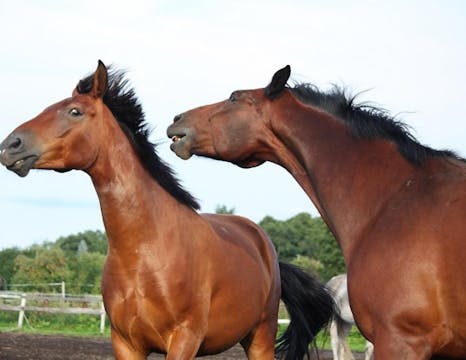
column 408, row 57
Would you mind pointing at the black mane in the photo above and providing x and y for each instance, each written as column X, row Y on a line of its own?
column 368, row 122
column 127, row 110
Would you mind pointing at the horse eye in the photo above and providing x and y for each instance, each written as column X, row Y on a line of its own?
column 75, row 112
column 232, row 97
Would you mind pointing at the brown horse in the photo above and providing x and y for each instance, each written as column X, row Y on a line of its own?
column 174, row 281
column 396, row 207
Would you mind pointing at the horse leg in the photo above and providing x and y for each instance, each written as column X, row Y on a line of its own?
column 260, row 344
column 123, row 351
column 369, row 351
column 344, row 329
column 183, row 344
column 339, row 331
column 334, row 340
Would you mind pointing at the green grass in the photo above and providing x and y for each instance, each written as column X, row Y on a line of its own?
column 56, row 324
column 355, row 339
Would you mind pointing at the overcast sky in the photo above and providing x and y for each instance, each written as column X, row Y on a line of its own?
column 411, row 55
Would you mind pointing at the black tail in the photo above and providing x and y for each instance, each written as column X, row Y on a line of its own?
column 310, row 307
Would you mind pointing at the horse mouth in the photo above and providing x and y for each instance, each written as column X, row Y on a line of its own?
column 177, row 138
column 181, row 141
column 178, row 141
column 180, row 146
column 22, row 166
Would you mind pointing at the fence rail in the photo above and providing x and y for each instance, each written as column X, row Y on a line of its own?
column 87, row 305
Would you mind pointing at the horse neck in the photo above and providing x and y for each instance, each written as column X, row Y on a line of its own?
column 131, row 201
column 343, row 176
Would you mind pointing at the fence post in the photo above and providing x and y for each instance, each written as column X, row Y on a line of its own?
column 63, row 293
column 102, row 317
column 21, row 312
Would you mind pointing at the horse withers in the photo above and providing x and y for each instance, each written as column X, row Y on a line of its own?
column 397, row 208
column 174, row 281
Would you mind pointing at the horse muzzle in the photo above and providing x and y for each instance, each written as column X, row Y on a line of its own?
column 181, row 141
column 16, row 154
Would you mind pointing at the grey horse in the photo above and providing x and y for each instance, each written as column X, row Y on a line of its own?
column 343, row 321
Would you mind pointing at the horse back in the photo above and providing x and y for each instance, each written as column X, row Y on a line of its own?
column 238, row 232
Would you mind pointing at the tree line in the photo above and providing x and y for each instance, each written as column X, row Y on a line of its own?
column 78, row 259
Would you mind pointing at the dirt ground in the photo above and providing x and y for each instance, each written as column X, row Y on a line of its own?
column 46, row 347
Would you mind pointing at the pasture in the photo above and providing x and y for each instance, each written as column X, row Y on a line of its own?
column 70, row 336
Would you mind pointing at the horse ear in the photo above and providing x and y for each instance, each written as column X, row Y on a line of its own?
column 99, row 81
column 278, row 82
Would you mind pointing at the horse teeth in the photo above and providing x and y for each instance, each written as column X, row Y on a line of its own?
column 176, row 138
column 19, row 162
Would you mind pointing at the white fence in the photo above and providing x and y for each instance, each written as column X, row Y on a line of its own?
column 52, row 303
column 58, row 304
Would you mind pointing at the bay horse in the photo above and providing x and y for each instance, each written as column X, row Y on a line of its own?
column 174, row 281
column 396, row 207
column 343, row 321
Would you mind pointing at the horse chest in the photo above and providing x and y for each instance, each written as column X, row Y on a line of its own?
column 136, row 318
column 136, row 308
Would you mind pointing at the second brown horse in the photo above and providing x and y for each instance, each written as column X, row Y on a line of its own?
column 174, row 281
column 396, row 207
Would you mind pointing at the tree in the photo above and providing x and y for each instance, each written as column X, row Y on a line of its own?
column 291, row 237
column 222, row 209
column 47, row 266
column 312, row 265
column 328, row 251
column 76, row 259
column 96, row 241
column 308, row 237
column 7, row 264
column 85, row 273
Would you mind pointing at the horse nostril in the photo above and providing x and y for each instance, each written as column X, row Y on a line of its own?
column 15, row 144
column 177, row 117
